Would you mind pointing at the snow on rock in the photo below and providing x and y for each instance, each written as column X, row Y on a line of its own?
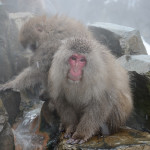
column 147, row 46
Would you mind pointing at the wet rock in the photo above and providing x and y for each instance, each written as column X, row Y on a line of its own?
column 138, row 63
column 126, row 139
column 11, row 101
column 30, row 98
column 2, row 122
column 49, row 122
column 129, row 39
column 6, row 135
column 140, row 84
column 20, row 18
column 3, row 116
column 5, row 66
column 6, row 138
column 139, row 71
column 12, row 59
column 26, row 132
column 108, row 38
column 16, row 52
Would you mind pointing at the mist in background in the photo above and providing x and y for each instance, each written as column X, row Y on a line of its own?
column 132, row 13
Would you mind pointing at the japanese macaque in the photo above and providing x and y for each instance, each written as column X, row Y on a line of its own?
column 40, row 29
column 89, row 88
column 43, row 35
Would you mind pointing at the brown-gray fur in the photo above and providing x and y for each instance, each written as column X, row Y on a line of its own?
column 100, row 101
column 43, row 35
column 40, row 29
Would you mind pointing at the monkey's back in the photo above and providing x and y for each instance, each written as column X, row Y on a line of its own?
column 62, row 27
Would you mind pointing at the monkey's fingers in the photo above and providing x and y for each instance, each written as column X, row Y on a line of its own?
column 75, row 141
column 69, row 131
column 72, row 141
column 67, row 135
column 4, row 87
column 7, row 86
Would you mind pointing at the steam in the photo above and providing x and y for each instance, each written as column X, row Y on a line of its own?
column 48, row 6
column 131, row 13
column 132, row 3
column 109, row 1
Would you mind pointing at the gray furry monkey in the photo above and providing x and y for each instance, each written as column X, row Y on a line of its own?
column 90, row 90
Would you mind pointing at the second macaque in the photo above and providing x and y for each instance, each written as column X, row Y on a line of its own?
column 43, row 36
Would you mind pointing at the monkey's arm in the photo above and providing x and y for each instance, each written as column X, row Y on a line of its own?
column 93, row 119
column 67, row 115
column 27, row 78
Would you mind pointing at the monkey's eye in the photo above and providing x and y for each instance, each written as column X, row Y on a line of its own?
column 83, row 60
column 73, row 58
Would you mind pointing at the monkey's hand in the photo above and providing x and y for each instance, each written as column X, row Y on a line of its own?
column 69, row 131
column 89, row 124
column 8, row 86
column 80, row 136
column 85, row 130
column 68, row 122
column 76, row 139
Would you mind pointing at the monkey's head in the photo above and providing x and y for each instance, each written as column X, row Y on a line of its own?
column 32, row 32
column 77, row 61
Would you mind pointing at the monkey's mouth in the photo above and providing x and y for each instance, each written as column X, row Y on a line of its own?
column 74, row 78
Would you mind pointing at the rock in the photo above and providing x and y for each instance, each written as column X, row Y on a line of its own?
column 108, row 38
column 138, row 63
column 140, row 84
column 12, row 59
column 20, row 18
column 7, row 138
column 2, row 122
column 16, row 51
column 49, row 122
column 3, row 116
column 11, row 101
column 6, row 135
column 129, row 38
column 126, row 139
column 5, row 66
column 139, row 71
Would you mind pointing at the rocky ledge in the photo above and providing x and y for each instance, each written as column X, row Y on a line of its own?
column 126, row 139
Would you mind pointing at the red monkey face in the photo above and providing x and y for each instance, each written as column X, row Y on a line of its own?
column 77, row 63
